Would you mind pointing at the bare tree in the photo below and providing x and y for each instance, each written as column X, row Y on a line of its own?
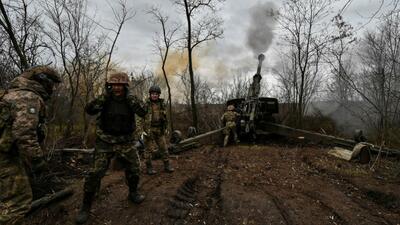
column 205, row 96
column 142, row 79
column 5, row 23
column 121, row 17
column 207, row 28
column 301, row 22
column 69, row 33
column 235, row 88
column 339, row 57
column 163, row 43
column 21, row 41
column 81, row 48
column 94, row 60
column 379, row 81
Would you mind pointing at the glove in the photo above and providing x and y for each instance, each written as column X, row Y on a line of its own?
column 39, row 165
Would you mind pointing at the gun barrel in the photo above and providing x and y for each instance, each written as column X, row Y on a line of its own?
column 261, row 58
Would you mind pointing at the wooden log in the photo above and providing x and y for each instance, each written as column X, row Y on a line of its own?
column 58, row 196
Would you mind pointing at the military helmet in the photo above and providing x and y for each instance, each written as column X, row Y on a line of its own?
column 41, row 73
column 155, row 88
column 118, row 78
column 44, row 75
column 231, row 107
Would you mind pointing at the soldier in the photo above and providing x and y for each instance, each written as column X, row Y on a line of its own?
column 22, row 117
column 155, row 125
column 114, row 137
column 229, row 120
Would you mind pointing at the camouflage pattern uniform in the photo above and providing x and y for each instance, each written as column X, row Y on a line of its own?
column 114, row 138
column 109, row 145
column 155, row 125
column 229, row 119
column 20, row 142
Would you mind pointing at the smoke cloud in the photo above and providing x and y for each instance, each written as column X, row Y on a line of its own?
column 260, row 32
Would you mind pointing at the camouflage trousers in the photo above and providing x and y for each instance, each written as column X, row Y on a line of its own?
column 155, row 140
column 126, row 153
column 15, row 190
column 230, row 127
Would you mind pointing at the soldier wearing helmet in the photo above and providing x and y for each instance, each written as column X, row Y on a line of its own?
column 116, row 111
column 22, row 118
column 155, row 126
column 229, row 120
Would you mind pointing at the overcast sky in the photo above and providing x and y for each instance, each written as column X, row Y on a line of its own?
column 135, row 50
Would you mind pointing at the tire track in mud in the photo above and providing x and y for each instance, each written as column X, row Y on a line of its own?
column 336, row 217
column 200, row 195
column 183, row 201
column 279, row 205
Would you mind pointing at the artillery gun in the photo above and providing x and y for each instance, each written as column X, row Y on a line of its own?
column 255, row 111
column 257, row 118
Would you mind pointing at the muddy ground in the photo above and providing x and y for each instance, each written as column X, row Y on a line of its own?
column 245, row 184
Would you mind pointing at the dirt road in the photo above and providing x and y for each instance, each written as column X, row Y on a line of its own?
column 258, row 184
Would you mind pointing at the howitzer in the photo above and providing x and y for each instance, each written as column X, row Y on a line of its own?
column 254, row 109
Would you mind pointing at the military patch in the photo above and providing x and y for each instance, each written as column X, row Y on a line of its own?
column 32, row 110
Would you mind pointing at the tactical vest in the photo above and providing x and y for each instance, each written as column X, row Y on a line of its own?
column 117, row 118
column 155, row 115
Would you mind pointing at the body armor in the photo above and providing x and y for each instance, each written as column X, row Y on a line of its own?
column 117, row 118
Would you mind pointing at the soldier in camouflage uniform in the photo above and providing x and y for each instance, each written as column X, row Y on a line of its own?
column 22, row 117
column 114, row 131
column 155, row 125
column 229, row 120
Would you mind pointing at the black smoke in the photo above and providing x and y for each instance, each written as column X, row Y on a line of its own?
column 262, row 22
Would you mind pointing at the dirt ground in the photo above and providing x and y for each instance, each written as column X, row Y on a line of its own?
column 244, row 184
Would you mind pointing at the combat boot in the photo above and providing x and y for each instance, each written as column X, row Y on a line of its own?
column 134, row 196
column 167, row 167
column 149, row 168
column 84, row 212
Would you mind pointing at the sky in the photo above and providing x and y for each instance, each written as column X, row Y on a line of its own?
column 217, row 59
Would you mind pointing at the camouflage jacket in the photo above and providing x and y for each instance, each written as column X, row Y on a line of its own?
column 156, row 116
column 27, row 117
column 96, row 107
column 229, row 116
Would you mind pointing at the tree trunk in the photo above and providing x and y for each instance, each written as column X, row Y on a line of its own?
column 192, row 93
column 192, row 86
column 171, row 124
column 9, row 29
column 68, row 130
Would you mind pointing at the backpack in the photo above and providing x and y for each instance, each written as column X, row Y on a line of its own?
column 5, row 122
